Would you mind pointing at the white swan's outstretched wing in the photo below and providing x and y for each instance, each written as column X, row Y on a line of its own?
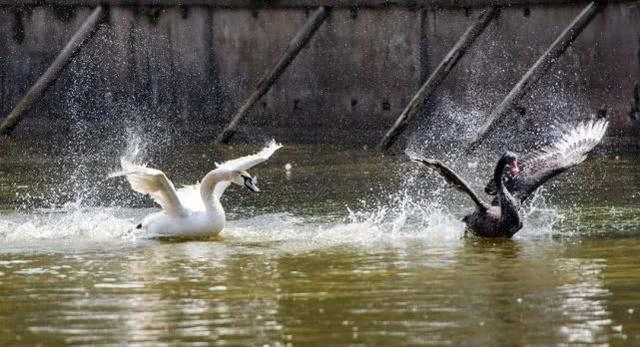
column 191, row 196
column 540, row 166
column 155, row 183
column 249, row 161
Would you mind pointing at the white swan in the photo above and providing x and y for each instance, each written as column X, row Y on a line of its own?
column 185, row 214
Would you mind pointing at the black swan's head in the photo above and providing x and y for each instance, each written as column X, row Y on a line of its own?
column 508, row 164
column 509, row 161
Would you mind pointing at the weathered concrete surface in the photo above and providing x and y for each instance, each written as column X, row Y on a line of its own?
column 599, row 68
column 186, row 70
column 354, row 72
column 259, row 4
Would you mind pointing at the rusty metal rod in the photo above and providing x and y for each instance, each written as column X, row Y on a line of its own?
column 541, row 66
column 53, row 72
column 437, row 76
column 271, row 76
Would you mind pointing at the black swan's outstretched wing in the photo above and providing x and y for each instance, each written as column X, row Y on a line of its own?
column 453, row 179
column 540, row 166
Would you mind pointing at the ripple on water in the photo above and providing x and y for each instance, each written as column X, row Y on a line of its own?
column 119, row 285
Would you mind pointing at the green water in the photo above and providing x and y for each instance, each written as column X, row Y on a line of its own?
column 349, row 249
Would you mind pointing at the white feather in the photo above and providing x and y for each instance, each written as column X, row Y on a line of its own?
column 155, row 183
column 191, row 199
column 184, row 211
column 245, row 163
column 574, row 145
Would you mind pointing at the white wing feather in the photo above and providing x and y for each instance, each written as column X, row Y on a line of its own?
column 155, row 183
column 176, row 203
column 249, row 161
column 190, row 195
column 571, row 149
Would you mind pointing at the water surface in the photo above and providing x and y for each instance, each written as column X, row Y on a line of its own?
column 348, row 249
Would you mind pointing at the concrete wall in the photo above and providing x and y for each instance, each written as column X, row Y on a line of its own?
column 188, row 69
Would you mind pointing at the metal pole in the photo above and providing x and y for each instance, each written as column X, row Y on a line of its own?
column 271, row 76
column 437, row 76
column 541, row 66
column 53, row 72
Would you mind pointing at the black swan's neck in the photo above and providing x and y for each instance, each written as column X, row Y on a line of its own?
column 497, row 176
column 509, row 207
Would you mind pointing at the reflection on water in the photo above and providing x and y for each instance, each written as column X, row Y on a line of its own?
column 346, row 249
column 585, row 302
column 471, row 292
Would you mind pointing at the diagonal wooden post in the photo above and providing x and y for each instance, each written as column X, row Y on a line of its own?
column 271, row 76
column 53, row 72
column 541, row 66
column 437, row 76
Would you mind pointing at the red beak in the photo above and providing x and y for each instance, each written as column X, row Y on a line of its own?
column 514, row 168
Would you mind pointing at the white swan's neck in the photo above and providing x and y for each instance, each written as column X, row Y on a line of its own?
column 208, row 186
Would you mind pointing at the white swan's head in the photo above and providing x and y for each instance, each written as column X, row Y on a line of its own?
column 243, row 178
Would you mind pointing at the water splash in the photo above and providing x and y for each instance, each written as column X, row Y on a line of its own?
column 423, row 209
column 135, row 145
column 539, row 218
column 77, row 224
column 401, row 219
column 398, row 222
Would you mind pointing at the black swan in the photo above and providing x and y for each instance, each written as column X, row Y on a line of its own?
column 512, row 186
